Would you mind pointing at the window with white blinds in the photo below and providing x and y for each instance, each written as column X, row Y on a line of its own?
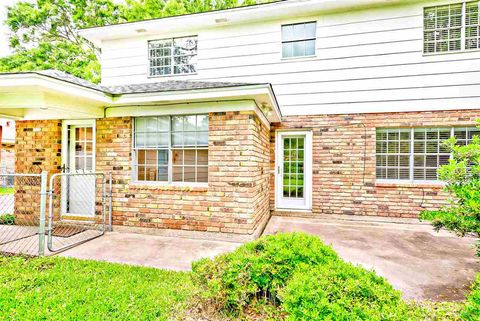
column 415, row 154
column 451, row 27
column 171, row 149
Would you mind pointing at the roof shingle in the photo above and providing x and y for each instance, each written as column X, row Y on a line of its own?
column 161, row 86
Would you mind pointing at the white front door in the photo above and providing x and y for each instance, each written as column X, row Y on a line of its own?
column 78, row 189
column 293, row 170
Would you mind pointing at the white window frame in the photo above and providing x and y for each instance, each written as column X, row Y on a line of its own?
column 462, row 31
column 172, row 57
column 170, row 149
column 412, row 155
column 298, row 40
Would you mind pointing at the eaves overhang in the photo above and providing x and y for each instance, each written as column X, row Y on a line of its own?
column 235, row 16
column 36, row 96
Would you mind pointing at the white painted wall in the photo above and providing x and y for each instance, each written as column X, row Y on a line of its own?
column 367, row 61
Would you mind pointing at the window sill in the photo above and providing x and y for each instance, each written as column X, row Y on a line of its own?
column 183, row 187
column 173, row 75
column 433, row 54
column 409, row 184
column 298, row 58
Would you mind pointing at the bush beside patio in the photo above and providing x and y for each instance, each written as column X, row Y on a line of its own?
column 297, row 277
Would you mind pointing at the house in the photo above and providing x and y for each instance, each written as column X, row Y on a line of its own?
column 213, row 122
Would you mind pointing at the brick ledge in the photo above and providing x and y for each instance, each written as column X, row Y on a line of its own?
column 178, row 188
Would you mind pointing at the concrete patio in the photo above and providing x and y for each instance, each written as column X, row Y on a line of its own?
column 418, row 261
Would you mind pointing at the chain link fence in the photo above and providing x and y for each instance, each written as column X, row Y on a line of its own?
column 22, row 213
column 78, row 206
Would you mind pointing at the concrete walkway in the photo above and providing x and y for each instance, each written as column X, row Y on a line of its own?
column 171, row 253
column 421, row 263
column 418, row 261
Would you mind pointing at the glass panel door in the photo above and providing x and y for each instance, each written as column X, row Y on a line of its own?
column 293, row 170
column 293, row 166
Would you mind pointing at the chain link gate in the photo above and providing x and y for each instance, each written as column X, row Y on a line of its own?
column 77, row 209
column 22, row 213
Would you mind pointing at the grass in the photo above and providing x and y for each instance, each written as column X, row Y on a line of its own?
column 7, row 219
column 69, row 289
column 6, row 190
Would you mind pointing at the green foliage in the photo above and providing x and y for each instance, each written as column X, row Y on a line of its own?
column 68, row 289
column 341, row 291
column 44, row 33
column 150, row 9
column 7, row 219
column 258, row 269
column 462, row 178
column 471, row 311
column 6, row 190
column 63, row 56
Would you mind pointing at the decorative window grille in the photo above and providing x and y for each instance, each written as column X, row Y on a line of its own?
column 451, row 27
column 415, row 154
column 171, row 149
column 173, row 56
column 298, row 40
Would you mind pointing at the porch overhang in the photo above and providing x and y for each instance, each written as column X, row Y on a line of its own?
column 34, row 96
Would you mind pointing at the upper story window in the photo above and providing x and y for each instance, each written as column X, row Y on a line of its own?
column 452, row 27
column 171, row 149
column 298, row 40
column 415, row 154
column 173, row 56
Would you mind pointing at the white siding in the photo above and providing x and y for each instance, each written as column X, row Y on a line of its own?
column 367, row 61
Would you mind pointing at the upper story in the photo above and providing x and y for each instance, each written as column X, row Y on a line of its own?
column 321, row 56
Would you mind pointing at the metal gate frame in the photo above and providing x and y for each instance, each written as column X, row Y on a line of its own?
column 105, row 226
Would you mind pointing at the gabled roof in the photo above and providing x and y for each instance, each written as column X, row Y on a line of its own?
column 156, row 87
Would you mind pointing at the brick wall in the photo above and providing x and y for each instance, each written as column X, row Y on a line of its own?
column 344, row 163
column 236, row 199
column 37, row 148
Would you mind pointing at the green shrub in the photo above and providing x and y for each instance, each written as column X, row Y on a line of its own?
column 7, row 219
column 341, row 291
column 259, row 269
column 471, row 311
column 462, row 178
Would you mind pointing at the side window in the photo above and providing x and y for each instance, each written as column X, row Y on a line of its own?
column 172, row 149
column 173, row 56
column 451, row 28
column 415, row 154
column 298, row 40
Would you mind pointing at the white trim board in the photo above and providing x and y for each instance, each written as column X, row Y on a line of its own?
column 308, row 171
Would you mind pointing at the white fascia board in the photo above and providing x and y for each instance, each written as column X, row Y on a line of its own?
column 241, row 15
column 186, row 109
column 17, row 82
column 261, row 94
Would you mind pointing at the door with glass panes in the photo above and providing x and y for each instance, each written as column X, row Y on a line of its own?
column 78, row 189
column 294, row 170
